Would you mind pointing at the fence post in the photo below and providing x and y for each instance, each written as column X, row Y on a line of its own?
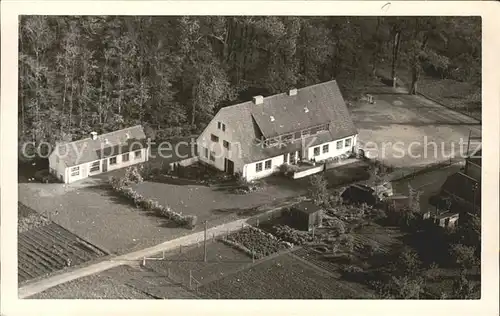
column 190, row 278
column 143, row 261
column 163, row 255
column 257, row 222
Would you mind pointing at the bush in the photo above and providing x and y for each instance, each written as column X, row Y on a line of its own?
column 464, row 256
column 347, row 241
column 371, row 247
column 256, row 242
column 293, row 236
column 338, row 227
column 288, row 170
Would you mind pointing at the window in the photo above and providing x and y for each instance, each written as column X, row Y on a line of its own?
column 223, row 127
column 316, row 151
column 95, row 166
column 137, row 154
column 112, row 161
column 125, row 157
column 325, row 149
column 348, row 142
column 226, row 144
column 214, row 138
column 219, row 125
column 75, row 171
column 297, row 135
column 212, row 155
column 258, row 167
column 339, row 144
column 267, row 164
column 206, row 152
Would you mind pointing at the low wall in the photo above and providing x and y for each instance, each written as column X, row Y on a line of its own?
column 184, row 162
column 308, row 172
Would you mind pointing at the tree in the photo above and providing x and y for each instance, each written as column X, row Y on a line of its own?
column 408, row 263
column 463, row 255
column 407, row 288
column 318, row 190
column 464, row 289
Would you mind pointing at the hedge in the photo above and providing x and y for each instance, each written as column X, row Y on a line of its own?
column 188, row 221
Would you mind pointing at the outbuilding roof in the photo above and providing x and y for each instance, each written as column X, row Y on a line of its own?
column 105, row 145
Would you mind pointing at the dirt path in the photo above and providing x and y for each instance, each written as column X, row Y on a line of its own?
column 42, row 285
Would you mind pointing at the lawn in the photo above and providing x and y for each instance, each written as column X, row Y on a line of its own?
column 461, row 96
column 215, row 202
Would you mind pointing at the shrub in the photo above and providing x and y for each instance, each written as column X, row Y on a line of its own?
column 291, row 235
column 347, row 241
column 338, row 227
column 255, row 241
column 371, row 247
column 463, row 255
column 286, row 169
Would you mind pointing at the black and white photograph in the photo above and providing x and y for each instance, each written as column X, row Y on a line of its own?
column 276, row 157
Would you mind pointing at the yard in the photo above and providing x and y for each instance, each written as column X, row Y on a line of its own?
column 283, row 277
column 409, row 130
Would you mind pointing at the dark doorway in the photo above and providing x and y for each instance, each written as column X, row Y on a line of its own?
column 104, row 165
column 228, row 166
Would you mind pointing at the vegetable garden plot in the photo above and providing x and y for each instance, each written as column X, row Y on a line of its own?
column 50, row 248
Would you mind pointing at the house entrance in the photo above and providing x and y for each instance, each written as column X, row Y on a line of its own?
column 104, row 165
column 228, row 166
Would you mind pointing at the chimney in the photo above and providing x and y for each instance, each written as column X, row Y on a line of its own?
column 292, row 92
column 93, row 135
column 258, row 99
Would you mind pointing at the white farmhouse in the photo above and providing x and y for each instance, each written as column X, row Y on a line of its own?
column 254, row 138
column 96, row 154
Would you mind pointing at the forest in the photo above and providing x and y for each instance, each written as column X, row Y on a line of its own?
column 79, row 74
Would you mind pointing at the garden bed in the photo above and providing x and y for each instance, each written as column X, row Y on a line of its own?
column 255, row 242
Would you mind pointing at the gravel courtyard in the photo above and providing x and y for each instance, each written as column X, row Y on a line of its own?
column 400, row 129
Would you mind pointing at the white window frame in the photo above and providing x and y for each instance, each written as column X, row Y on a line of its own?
column 75, row 171
column 258, row 167
column 317, row 153
column 270, row 162
column 327, row 147
column 138, row 154
column 113, row 163
column 125, row 155
column 340, row 144
column 93, row 164
column 346, row 141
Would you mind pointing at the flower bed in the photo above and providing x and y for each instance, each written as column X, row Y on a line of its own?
column 255, row 242
column 188, row 221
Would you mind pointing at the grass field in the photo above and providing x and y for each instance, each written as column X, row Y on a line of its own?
column 282, row 277
column 106, row 285
column 461, row 96
column 46, row 248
